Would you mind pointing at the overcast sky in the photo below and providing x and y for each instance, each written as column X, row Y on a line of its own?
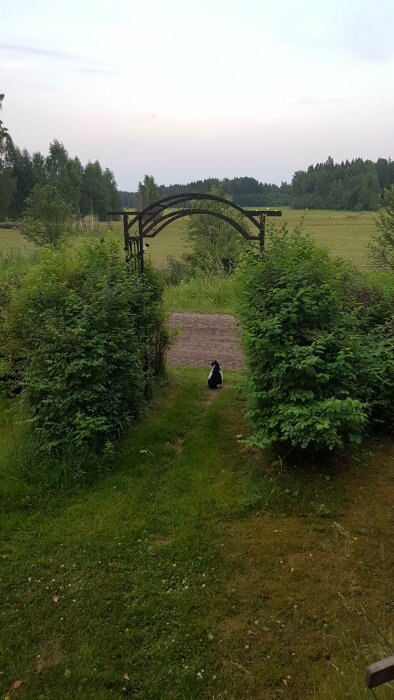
column 187, row 90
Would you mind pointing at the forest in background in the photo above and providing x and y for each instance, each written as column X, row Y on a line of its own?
column 355, row 185
column 90, row 190
column 245, row 191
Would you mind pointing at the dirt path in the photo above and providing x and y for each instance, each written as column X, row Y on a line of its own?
column 203, row 338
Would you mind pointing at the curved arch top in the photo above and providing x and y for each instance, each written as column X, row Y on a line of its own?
column 152, row 220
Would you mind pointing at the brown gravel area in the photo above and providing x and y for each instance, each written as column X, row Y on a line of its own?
column 203, row 338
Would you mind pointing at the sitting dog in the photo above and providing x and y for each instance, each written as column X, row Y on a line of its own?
column 215, row 379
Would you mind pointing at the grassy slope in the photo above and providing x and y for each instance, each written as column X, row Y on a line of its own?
column 159, row 581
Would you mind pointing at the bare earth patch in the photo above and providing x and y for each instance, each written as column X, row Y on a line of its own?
column 203, row 338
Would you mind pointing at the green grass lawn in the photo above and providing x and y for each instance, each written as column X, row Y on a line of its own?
column 193, row 570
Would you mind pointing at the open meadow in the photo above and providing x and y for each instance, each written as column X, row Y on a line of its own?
column 343, row 233
column 185, row 565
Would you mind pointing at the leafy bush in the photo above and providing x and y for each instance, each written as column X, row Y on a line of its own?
column 382, row 247
column 93, row 340
column 216, row 246
column 369, row 297
column 176, row 272
column 318, row 372
column 13, row 266
column 47, row 218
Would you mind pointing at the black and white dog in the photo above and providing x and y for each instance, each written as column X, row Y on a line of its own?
column 215, row 379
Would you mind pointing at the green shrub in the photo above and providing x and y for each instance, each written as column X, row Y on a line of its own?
column 317, row 375
column 382, row 246
column 370, row 298
column 13, row 266
column 176, row 272
column 216, row 246
column 93, row 340
column 47, row 218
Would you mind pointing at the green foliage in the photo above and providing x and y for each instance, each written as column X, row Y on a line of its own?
column 176, row 271
column 148, row 192
column 47, row 218
column 320, row 370
column 355, row 185
column 12, row 268
column 98, row 193
column 217, row 247
column 246, row 191
column 88, row 190
column 92, row 337
column 383, row 246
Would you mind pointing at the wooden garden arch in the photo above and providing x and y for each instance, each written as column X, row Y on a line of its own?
column 155, row 217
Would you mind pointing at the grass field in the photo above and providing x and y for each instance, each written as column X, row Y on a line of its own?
column 194, row 570
column 344, row 233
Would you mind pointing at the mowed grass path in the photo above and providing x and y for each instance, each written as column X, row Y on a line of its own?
column 344, row 233
column 194, row 571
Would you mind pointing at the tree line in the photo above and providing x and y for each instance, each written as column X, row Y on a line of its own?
column 245, row 191
column 88, row 190
column 356, row 185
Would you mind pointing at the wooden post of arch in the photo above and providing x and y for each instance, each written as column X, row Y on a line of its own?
column 141, row 244
column 262, row 233
column 126, row 235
